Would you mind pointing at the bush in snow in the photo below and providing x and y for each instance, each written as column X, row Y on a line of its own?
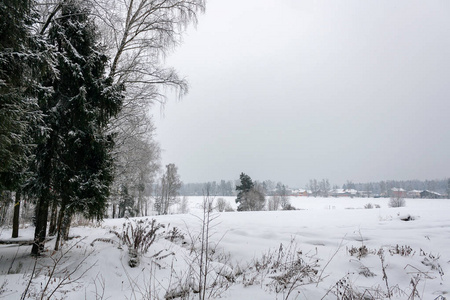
column 221, row 203
column 368, row 206
column 273, row 203
column 228, row 207
column 138, row 236
column 397, row 202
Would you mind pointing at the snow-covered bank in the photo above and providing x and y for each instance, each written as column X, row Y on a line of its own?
column 338, row 238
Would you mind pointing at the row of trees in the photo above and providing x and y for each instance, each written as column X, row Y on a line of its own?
column 222, row 188
column 383, row 187
column 323, row 188
column 228, row 187
column 76, row 81
column 319, row 188
column 251, row 195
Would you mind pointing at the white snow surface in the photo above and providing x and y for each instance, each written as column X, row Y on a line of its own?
column 321, row 233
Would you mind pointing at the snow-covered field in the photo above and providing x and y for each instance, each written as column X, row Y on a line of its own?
column 327, row 249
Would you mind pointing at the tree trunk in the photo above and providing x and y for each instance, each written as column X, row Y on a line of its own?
column 5, row 198
column 66, row 226
column 114, row 211
column 41, row 212
column 41, row 224
column 15, row 231
column 146, row 207
column 59, row 225
column 53, row 219
column 140, row 204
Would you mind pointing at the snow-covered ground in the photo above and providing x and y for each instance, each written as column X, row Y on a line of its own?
column 329, row 248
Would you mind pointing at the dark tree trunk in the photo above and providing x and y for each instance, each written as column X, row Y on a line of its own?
column 45, row 195
column 41, row 224
column 53, row 218
column 15, row 231
column 146, row 208
column 66, row 226
column 59, row 225
column 114, row 211
column 140, row 203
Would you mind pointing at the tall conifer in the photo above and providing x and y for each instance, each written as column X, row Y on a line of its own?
column 77, row 151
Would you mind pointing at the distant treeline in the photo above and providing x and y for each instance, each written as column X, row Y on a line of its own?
column 228, row 187
column 222, row 188
column 441, row 186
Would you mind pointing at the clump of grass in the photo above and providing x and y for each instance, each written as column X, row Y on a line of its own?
column 360, row 252
column 283, row 270
column 402, row 250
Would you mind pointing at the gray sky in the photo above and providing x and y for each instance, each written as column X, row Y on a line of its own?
column 290, row 90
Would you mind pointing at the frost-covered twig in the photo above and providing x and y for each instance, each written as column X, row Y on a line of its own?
column 31, row 279
column 67, row 277
column 383, row 269
column 328, row 262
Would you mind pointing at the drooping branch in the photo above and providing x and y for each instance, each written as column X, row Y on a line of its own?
column 50, row 17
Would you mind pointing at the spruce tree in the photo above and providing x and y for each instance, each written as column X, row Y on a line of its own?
column 18, row 108
column 244, row 188
column 22, row 60
column 76, row 163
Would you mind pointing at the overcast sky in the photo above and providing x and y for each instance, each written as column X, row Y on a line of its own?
column 290, row 90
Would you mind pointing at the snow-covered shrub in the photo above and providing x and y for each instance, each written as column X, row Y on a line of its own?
column 397, row 202
column 138, row 236
column 221, row 204
column 368, row 206
column 273, row 203
column 174, row 235
column 228, row 207
column 289, row 207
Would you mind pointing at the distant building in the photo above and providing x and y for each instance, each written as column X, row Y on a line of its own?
column 398, row 193
column 430, row 195
column 302, row 193
column 413, row 194
column 364, row 194
column 299, row 193
column 343, row 193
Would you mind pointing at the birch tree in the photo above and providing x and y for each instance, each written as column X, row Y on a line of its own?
column 167, row 190
column 136, row 169
column 139, row 34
